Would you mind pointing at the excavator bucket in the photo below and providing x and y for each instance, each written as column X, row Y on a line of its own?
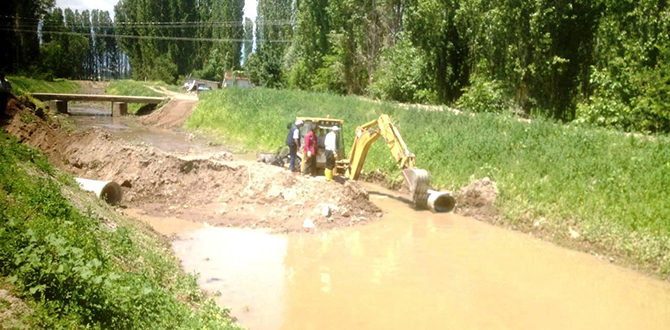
column 418, row 182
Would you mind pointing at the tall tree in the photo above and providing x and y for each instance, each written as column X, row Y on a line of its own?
column 273, row 28
column 18, row 32
column 248, row 37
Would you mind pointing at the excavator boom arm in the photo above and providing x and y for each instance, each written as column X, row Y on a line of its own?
column 417, row 180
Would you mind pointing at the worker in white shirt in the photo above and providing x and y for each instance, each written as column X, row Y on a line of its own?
column 331, row 152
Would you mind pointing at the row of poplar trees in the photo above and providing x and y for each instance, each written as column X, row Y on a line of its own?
column 41, row 40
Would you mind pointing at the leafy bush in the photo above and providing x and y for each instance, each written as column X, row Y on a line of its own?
column 91, row 268
column 630, row 100
column 484, row 96
column 402, row 75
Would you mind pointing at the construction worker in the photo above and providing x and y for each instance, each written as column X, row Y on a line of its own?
column 293, row 143
column 310, row 151
column 331, row 152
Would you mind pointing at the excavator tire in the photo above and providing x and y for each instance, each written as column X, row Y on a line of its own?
column 418, row 182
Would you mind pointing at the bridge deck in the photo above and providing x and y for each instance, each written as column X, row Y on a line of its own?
column 96, row 97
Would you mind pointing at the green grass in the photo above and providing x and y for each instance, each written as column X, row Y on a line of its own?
column 78, row 264
column 610, row 187
column 137, row 88
column 24, row 85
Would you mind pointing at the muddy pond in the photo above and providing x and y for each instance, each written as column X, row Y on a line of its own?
column 408, row 270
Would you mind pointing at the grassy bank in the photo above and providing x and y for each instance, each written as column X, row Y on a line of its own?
column 76, row 263
column 137, row 88
column 610, row 188
column 23, row 85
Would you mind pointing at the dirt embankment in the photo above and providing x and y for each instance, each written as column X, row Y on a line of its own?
column 211, row 188
column 173, row 114
column 477, row 200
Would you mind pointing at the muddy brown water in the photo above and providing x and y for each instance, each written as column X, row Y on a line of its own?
column 417, row 270
column 409, row 270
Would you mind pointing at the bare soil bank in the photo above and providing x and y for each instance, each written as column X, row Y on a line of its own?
column 204, row 188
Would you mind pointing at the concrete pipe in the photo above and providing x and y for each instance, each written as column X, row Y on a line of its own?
column 109, row 191
column 441, row 201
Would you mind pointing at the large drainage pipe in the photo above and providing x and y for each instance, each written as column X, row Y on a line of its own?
column 109, row 191
column 441, row 201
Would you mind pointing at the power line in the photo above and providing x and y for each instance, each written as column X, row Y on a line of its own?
column 112, row 26
column 155, row 23
column 122, row 36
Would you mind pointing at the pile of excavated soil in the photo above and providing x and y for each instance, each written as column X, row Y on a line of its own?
column 477, row 199
column 210, row 188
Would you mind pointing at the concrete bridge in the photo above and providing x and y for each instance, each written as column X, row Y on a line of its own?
column 119, row 102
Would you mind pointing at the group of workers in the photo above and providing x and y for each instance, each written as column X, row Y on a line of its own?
column 311, row 148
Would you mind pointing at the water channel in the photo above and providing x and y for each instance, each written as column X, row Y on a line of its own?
column 408, row 270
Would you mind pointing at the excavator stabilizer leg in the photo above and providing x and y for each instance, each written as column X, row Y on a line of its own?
column 418, row 182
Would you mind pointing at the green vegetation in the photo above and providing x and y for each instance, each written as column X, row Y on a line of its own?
column 77, row 264
column 608, row 186
column 604, row 62
column 132, row 87
column 137, row 88
column 601, row 62
column 24, row 85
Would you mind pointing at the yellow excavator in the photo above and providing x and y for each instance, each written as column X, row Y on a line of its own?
column 417, row 180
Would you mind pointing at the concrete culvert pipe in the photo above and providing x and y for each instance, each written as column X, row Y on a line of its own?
column 441, row 201
column 109, row 191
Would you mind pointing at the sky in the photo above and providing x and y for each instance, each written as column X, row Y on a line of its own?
column 249, row 6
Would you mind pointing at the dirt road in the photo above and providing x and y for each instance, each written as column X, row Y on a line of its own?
column 173, row 114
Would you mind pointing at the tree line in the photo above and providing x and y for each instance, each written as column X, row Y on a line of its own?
column 604, row 62
column 200, row 37
column 50, row 42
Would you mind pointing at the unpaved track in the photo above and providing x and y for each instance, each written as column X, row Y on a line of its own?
column 209, row 188
column 173, row 114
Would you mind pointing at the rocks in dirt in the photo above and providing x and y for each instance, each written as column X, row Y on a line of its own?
column 573, row 233
column 327, row 209
column 308, row 223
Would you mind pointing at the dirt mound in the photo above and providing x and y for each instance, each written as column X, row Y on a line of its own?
column 477, row 199
column 210, row 188
column 171, row 115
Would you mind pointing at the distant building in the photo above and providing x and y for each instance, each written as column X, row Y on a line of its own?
column 192, row 84
column 235, row 78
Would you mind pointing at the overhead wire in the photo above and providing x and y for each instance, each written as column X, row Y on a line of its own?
column 155, row 23
column 125, row 36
